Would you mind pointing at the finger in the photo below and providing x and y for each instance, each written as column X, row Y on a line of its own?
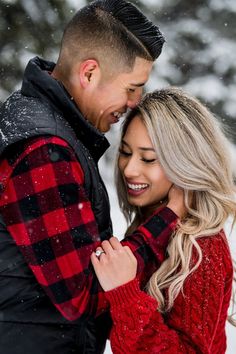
column 99, row 253
column 100, row 249
column 115, row 243
column 107, row 247
column 95, row 261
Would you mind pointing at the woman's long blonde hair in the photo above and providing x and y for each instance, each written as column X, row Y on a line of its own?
column 194, row 153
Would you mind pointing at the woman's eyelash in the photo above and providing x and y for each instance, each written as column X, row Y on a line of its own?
column 125, row 153
column 148, row 161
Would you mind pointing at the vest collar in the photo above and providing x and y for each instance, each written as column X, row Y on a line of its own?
column 37, row 82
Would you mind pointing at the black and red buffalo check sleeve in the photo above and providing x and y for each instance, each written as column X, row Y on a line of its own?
column 47, row 212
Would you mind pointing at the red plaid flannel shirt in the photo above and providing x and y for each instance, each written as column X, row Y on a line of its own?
column 47, row 212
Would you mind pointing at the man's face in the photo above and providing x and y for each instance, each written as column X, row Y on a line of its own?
column 106, row 100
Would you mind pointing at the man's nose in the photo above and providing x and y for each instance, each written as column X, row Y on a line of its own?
column 132, row 104
column 134, row 100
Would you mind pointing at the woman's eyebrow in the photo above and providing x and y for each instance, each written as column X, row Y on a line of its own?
column 139, row 147
column 146, row 148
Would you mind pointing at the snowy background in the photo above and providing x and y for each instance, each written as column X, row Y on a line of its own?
column 199, row 55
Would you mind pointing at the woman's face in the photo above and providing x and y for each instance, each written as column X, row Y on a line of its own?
column 145, row 180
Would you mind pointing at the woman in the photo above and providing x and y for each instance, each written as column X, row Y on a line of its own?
column 172, row 139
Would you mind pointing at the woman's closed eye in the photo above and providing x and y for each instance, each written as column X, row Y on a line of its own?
column 148, row 160
column 145, row 160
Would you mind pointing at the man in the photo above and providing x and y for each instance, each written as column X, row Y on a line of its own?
column 54, row 207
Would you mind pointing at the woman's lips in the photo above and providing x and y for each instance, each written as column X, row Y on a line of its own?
column 135, row 189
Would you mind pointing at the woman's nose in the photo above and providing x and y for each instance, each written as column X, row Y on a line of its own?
column 131, row 169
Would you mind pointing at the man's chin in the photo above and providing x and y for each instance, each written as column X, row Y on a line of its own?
column 104, row 128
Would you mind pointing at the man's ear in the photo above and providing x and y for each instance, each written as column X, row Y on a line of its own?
column 88, row 72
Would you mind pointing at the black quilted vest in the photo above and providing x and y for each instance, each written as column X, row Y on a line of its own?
column 43, row 107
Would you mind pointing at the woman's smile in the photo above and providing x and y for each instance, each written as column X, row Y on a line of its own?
column 135, row 188
column 144, row 178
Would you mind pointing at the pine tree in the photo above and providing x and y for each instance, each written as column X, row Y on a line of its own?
column 28, row 28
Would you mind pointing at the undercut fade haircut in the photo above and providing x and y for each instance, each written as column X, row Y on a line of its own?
column 113, row 32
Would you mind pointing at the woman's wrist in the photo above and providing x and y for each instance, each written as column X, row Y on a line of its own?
column 124, row 294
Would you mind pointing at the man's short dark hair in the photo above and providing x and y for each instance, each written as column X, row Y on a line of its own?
column 114, row 31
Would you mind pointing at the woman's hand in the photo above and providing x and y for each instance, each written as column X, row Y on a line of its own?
column 116, row 266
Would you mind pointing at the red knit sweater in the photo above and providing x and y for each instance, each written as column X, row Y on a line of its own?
column 195, row 324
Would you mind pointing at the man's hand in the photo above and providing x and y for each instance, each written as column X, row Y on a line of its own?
column 116, row 266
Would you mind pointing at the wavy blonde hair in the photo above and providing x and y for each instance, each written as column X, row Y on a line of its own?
column 194, row 153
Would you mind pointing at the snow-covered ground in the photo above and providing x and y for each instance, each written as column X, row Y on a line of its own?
column 119, row 227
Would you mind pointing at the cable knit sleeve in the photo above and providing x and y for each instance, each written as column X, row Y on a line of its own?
column 196, row 323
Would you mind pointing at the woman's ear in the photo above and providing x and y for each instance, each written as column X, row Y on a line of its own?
column 89, row 72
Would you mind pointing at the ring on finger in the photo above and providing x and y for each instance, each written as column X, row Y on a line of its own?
column 98, row 253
